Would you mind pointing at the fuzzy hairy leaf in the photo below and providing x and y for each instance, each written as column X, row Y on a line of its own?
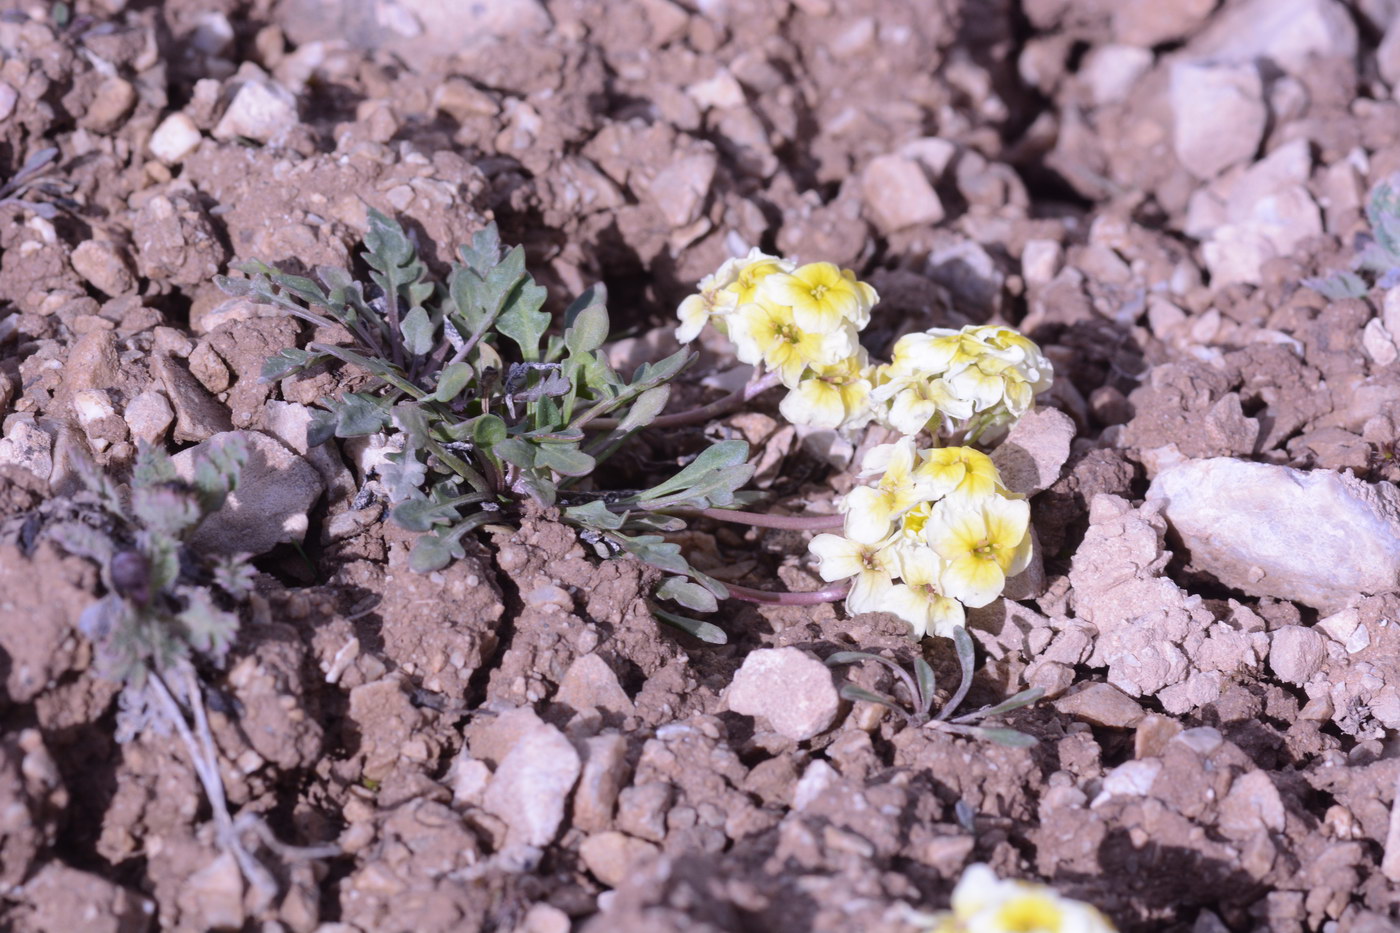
column 452, row 381
column 715, row 458
column 418, row 331
column 564, row 459
column 167, row 509
column 707, row 632
column 688, row 594
column 216, row 472
column 208, row 629
column 435, row 551
column 595, row 514
column 357, row 414
column 287, row 362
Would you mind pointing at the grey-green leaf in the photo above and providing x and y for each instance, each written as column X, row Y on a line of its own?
column 704, row 631
column 418, row 331
column 688, row 594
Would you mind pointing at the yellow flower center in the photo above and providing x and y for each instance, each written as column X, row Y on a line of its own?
column 789, row 333
column 1030, row 913
column 818, row 291
column 985, row 549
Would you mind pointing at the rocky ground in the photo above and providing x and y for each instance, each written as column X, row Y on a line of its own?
column 514, row 743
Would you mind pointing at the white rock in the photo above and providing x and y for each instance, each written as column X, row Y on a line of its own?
column 614, row 857
column 92, row 405
column 1130, row 779
column 1317, row 537
column 1041, row 261
column 531, row 785
column 9, row 97
column 1219, row 115
column 1379, row 343
column 1390, row 312
column 1296, row 653
column 103, row 265
column 149, row 416
column 591, row 683
column 1110, row 71
column 1252, row 804
column 1284, row 32
column 813, row 784
column 788, row 688
column 899, row 194
column 1151, row 22
column 28, row 447
column 261, row 110
column 1388, row 55
column 720, row 91
column 175, row 137
column 275, row 491
column 680, row 189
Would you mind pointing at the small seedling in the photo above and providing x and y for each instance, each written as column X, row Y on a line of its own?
column 166, row 607
column 921, row 686
column 1377, row 263
column 489, row 413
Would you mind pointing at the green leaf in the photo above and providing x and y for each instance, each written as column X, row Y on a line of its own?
column 852, row 657
column 595, row 514
column 403, row 475
column 645, row 409
column 153, row 466
column 321, row 428
column 967, row 657
column 418, row 331
column 452, row 380
column 928, row 684
column 589, row 330
column 715, row 457
column 515, row 451
column 523, row 321
column 166, row 509
column 435, row 551
column 595, row 295
column 707, row 632
column 357, row 414
column 209, row 629
column 854, row 693
column 386, row 241
column 657, row 551
column 217, row 470
column 1024, row 698
column 287, row 362
column 1007, row 737
column 690, row 595
column 488, row 431
column 564, row 459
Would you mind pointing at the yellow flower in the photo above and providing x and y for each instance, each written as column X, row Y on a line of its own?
column 766, row 332
column 835, row 396
column 919, row 598
column 720, row 293
column 960, row 471
column 870, row 509
column 919, row 403
column 823, row 297
column 983, row 903
column 984, row 541
column 841, row 558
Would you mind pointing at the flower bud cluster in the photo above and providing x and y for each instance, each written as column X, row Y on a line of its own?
column 801, row 322
column 984, row 903
column 935, row 533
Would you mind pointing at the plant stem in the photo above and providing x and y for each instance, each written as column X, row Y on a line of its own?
column 811, row 598
column 766, row 520
column 715, row 409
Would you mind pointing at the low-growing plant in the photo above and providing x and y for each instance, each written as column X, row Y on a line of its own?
column 1377, row 261
column 921, row 687
column 165, row 603
column 490, row 411
column 167, row 607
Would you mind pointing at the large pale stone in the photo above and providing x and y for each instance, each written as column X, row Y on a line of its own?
column 899, row 194
column 1285, row 33
column 1219, row 115
column 276, row 489
column 789, row 689
column 1318, row 537
column 532, row 784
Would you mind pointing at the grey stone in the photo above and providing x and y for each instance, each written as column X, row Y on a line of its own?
column 1219, row 115
column 261, row 110
column 789, row 689
column 290, row 423
column 1286, row 33
column 198, row 415
column 590, row 682
column 532, row 784
column 275, row 491
column 1321, row 537
column 899, row 194
column 1033, row 453
column 1296, row 653
column 613, row 857
column 104, row 266
column 149, row 416
column 28, row 447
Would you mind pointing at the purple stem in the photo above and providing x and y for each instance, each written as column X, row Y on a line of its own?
column 811, row 598
column 715, row 409
column 766, row 520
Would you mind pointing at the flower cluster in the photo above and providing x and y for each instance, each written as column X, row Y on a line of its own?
column 803, row 324
column 940, row 523
column 981, row 377
column 984, row 903
column 800, row 322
